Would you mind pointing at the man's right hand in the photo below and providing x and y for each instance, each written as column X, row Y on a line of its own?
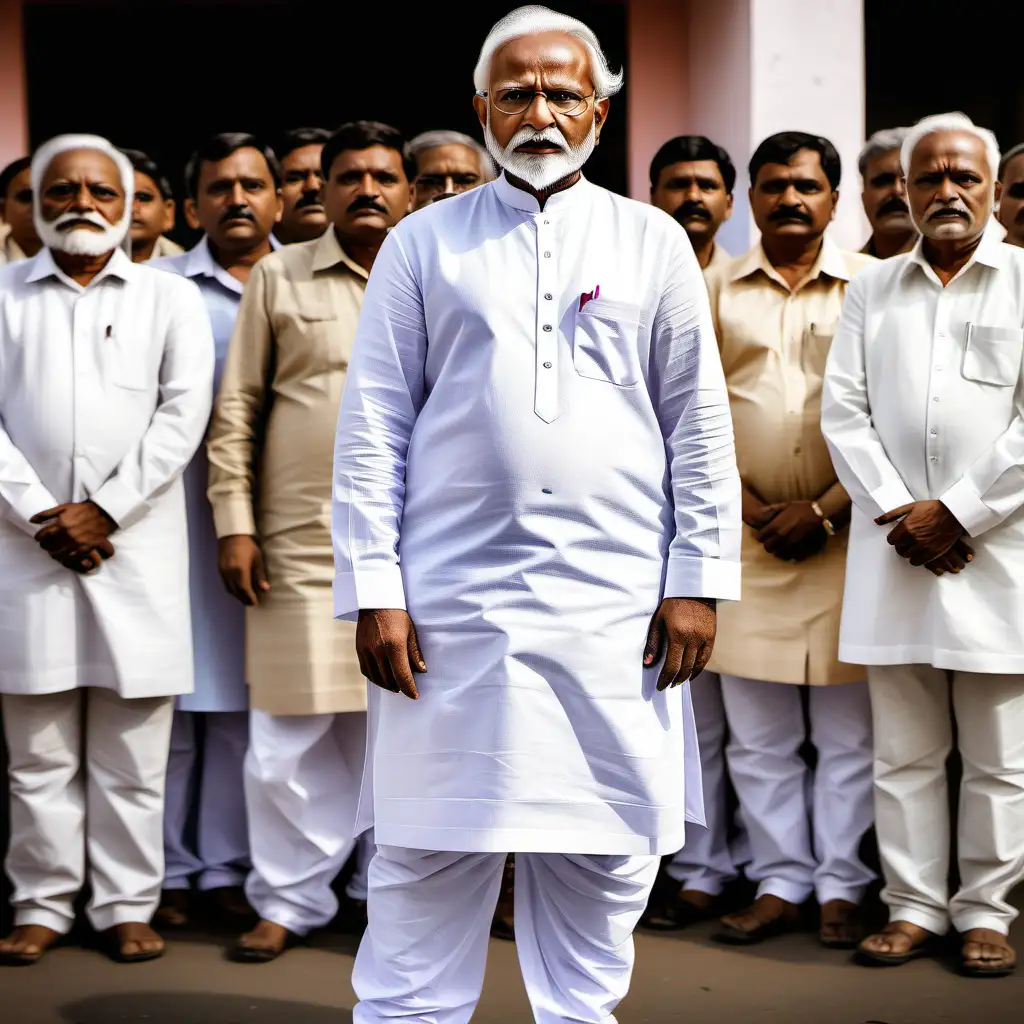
column 240, row 561
column 756, row 514
column 389, row 650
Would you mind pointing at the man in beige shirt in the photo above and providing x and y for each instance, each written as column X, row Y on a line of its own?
column 18, row 238
column 775, row 310
column 271, row 449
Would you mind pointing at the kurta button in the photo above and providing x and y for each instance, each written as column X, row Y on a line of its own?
column 547, row 255
column 936, row 398
column 547, row 295
column 935, row 458
column 547, row 327
column 933, row 432
column 547, row 366
column 546, row 490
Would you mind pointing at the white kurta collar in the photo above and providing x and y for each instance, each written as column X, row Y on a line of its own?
column 525, row 201
column 44, row 266
column 991, row 252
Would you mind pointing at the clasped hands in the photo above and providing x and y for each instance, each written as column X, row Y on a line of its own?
column 927, row 533
column 791, row 531
column 76, row 534
column 683, row 628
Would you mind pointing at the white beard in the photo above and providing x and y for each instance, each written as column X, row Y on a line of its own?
column 83, row 241
column 540, row 170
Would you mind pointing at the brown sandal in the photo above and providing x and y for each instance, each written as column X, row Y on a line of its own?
column 39, row 936
column 987, row 968
column 926, row 944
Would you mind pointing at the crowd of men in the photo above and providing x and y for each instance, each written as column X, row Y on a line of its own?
column 207, row 754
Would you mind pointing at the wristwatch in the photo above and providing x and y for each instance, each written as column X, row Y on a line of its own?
column 825, row 521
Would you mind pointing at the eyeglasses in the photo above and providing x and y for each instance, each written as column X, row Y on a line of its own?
column 517, row 101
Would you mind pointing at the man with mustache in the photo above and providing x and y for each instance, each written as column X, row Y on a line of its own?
column 923, row 411
column 536, row 509
column 446, row 163
column 692, row 179
column 270, row 450
column 234, row 195
column 152, row 211
column 303, row 217
column 775, row 310
column 885, row 195
column 18, row 238
column 1011, row 201
column 106, row 369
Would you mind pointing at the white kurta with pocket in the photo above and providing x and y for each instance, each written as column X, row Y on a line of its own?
column 534, row 445
column 923, row 399
column 105, row 392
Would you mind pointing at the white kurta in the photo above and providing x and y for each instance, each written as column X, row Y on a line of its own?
column 923, row 399
column 218, row 619
column 104, row 393
column 528, row 478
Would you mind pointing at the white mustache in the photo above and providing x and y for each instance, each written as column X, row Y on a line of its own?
column 89, row 216
column 550, row 135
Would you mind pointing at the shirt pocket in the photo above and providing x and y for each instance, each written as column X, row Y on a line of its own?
column 322, row 337
column 816, row 342
column 604, row 344
column 992, row 355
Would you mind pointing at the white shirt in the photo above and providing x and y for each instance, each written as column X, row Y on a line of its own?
column 923, row 400
column 529, row 477
column 105, row 392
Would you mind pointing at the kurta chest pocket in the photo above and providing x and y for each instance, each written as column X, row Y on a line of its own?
column 816, row 342
column 992, row 355
column 604, row 343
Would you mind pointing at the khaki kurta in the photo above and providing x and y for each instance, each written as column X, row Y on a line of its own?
column 774, row 343
column 271, row 447
column 165, row 247
column 10, row 251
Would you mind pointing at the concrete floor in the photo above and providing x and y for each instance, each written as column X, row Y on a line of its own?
column 683, row 977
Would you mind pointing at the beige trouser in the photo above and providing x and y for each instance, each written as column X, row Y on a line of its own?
column 73, row 751
column 913, row 738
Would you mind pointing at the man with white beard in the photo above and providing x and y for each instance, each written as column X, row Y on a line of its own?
column 535, row 495
column 106, row 371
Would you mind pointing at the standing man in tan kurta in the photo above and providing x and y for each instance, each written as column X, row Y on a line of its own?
column 271, row 454
column 775, row 310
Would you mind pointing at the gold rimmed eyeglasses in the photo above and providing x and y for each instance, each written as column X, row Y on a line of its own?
column 517, row 101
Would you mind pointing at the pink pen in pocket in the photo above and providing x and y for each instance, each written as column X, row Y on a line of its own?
column 587, row 296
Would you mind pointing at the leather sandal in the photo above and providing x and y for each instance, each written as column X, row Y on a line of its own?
column 874, row 958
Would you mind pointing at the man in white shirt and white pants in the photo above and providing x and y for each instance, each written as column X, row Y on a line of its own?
column 924, row 413
column 106, row 372
column 535, row 458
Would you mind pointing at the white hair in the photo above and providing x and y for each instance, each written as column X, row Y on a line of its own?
column 87, row 241
column 882, row 142
column 436, row 139
column 952, row 122
column 534, row 19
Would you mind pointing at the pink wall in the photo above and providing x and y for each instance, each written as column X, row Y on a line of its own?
column 13, row 103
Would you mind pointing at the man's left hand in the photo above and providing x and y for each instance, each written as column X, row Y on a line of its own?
column 794, row 532
column 924, row 530
column 73, row 529
column 688, row 625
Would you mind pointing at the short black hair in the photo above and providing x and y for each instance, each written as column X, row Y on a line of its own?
column 220, row 147
column 295, row 138
column 686, row 149
column 363, row 135
column 145, row 164
column 10, row 172
column 781, row 148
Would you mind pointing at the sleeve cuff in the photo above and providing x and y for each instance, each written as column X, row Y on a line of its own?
column 890, row 496
column 970, row 511
column 120, row 502
column 375, row 588
column 35, row 498
column 703, row 577
column 233, row 515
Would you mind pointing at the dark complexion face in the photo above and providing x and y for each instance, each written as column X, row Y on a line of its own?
column 445, row 170
column 1011, row 203
column 304, row 216
column 549, row 61
column 237, row 203
column 152, row 215
column 694, row 193
column 366, row 193
column 82, row 181
column 950, row 186
column 793, row 201
column 885, row 195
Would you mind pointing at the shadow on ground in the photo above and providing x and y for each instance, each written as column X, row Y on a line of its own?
column 197, row 1008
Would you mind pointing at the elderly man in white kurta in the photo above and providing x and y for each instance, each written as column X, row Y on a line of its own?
column 534, row 449
column 922, row 409
column 106, row 370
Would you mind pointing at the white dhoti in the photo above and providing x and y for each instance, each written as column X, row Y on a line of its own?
column 70, row 751
column 804, row 831
column 302, row 777
column 422, row 957
column 205, row 770
column 913, row 738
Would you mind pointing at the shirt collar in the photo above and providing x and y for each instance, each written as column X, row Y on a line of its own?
column 327, row 253
column 199, row 262
column 527, row 202
column 991, row 252
column 830, row 261
column 44, row 266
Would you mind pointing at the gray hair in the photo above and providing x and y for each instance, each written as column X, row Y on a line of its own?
column 1010, row 154
column 435, row 139
column 952, row 122
column 534, row 19
column 884, row 141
